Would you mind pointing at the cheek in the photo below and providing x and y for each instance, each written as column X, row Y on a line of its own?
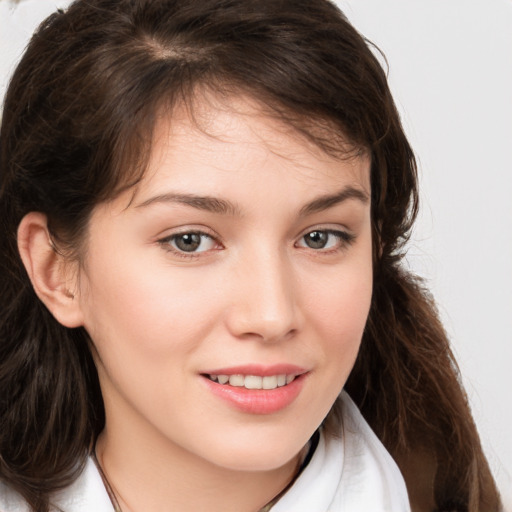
column 143, row 331
column 142, row 311
column 342, row 301
column 339, row 310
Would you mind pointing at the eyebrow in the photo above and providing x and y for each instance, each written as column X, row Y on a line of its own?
column 224, row 207
column 210, row 204
column 328, row 201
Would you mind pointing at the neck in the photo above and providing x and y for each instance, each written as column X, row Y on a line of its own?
column 153, row 477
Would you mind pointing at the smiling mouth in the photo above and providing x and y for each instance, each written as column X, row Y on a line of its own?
column 253, row 381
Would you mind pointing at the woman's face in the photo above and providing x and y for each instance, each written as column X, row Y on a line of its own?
column 242, row 261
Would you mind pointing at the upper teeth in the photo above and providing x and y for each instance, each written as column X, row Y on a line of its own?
column 254, row 381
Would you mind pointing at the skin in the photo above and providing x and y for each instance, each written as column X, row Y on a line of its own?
column 253, row 292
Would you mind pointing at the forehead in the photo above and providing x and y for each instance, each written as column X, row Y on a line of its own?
column 219, row 139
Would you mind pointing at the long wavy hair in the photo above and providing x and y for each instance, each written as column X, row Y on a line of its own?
column 76, row 130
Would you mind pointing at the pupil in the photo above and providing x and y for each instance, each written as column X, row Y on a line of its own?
column 188, row 242
column 316, row 239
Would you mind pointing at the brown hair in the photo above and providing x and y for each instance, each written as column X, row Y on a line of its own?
column 77, row 124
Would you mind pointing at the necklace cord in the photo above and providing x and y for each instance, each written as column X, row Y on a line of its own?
column 304, row 461
column 106, row 483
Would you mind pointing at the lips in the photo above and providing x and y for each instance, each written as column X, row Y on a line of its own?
column 257, row 389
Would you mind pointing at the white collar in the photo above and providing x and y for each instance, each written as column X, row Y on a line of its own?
column 353, row 473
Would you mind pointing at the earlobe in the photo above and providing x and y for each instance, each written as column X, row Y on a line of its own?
column 49, row 272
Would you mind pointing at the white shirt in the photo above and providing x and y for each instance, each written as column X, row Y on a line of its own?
column 352, row 473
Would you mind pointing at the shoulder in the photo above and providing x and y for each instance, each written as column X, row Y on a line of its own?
column 87, row 493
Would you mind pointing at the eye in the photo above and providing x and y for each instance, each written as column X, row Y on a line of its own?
column 190, row 242
column 325, row 239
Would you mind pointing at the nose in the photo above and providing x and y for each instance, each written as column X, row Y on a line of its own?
column 264, row 304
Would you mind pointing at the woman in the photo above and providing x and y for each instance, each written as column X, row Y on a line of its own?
column 205, row 206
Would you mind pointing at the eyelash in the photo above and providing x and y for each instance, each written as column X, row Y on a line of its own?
column 344, row 239
column 168, row 240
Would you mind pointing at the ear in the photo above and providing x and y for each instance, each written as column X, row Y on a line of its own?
column 54, row 278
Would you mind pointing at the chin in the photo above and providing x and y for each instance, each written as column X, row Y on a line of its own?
column 257, row 463
column 264, row 454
